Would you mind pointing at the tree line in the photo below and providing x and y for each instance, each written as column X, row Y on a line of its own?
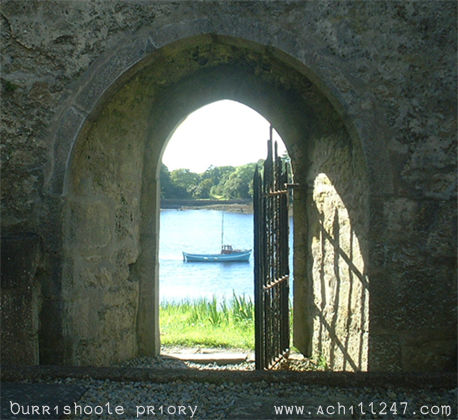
column 217, row 182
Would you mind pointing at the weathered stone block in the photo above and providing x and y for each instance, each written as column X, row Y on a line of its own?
column 92, row 225
column 71, row 121
column 19, row 327
column 20, row 298
column 429, row 351
column 20, row 256
column 384, row 353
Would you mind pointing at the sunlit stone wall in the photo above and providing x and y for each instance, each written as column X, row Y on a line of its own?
column 332, row 285
column 340, row 284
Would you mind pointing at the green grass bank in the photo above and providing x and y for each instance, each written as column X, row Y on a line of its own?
column 205, row 322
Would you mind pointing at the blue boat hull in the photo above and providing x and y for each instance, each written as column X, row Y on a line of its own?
column 233, row 257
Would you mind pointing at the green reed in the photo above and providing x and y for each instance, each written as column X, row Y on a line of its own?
column 229, row 323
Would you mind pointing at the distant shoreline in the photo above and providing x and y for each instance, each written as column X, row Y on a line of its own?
column 236, row 206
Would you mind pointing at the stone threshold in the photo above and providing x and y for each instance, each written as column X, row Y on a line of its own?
column 218, row 357
column 341, row 379
column 215, row 355
column 207, row 358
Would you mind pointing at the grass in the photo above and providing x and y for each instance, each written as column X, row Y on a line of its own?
column 205, row 322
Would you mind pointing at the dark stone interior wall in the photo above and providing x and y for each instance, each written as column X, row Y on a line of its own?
column 21, row 295
column 389, row 70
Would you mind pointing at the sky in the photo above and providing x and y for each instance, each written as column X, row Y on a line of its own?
column 219, row 134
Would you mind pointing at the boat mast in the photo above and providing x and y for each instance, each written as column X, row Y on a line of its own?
column 222, row 229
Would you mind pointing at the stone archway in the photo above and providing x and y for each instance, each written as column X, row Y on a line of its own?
column 109, row 290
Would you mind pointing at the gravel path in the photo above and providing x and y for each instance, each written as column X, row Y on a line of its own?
column 295, row 363
column 106, row 399
column 259, row 401
column 171, row 362
column 147, row 362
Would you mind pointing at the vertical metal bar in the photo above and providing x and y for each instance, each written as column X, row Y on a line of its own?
column 284, row 262
column 268, row 277
column 277, row 262
column 258, row 271
column 270, row 201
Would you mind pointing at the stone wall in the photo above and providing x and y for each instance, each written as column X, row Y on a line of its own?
column 338, row 218
column 386, row 68
column 331, row 303
column 21, row 298
column 101, row 240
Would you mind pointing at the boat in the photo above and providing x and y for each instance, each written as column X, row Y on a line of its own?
column 227, row 254
column 243, row 256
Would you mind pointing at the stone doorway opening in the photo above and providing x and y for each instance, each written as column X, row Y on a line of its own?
column 108, row 289
column 203, row 205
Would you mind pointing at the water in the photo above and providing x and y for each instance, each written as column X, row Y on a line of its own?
column 199, row 231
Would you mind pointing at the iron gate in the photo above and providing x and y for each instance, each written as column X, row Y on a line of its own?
column 271, row 271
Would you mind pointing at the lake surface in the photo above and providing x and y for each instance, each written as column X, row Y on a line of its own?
column 199, row 231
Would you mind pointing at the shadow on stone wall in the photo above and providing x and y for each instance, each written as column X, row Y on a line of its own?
column 341, row 336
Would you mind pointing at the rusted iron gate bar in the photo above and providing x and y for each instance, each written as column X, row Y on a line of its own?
column 271, row 277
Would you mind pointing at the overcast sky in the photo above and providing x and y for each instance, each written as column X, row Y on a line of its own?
column 218, row 134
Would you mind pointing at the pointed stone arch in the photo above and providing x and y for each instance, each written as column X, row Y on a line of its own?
column 104, row 178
